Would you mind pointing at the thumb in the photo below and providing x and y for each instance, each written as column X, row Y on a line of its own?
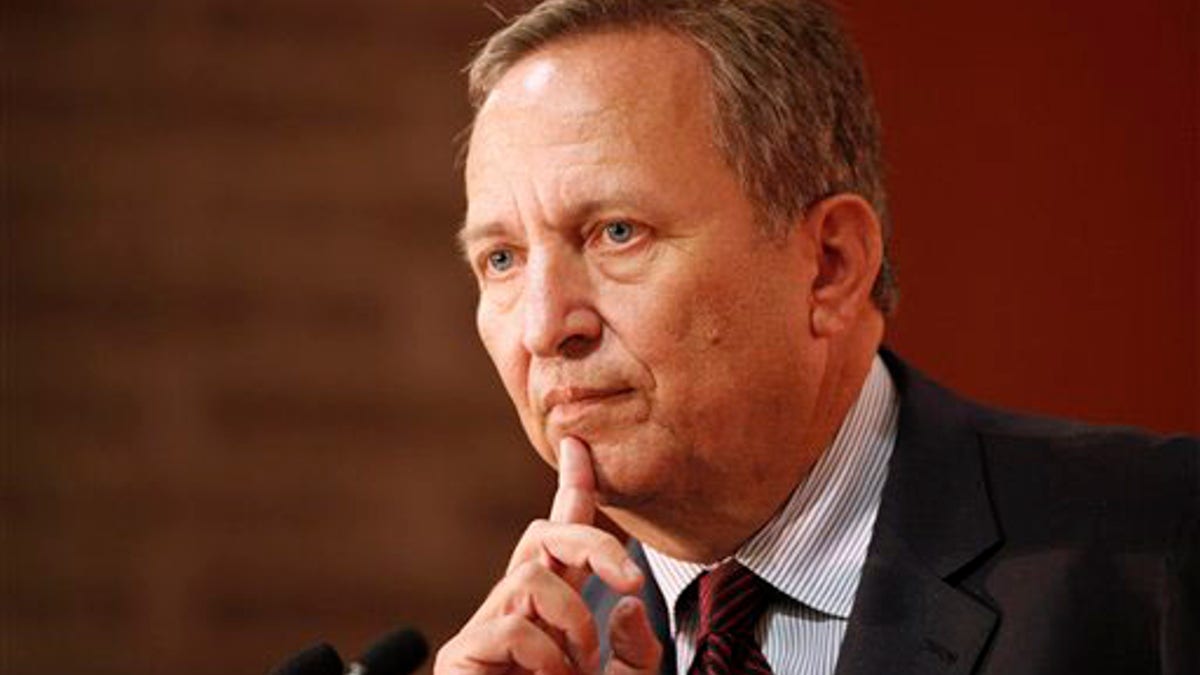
column 635, row 649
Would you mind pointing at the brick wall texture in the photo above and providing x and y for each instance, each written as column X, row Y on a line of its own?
column 241, row 346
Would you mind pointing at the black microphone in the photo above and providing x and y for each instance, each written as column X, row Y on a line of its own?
column 319, row 659
column 397, row 653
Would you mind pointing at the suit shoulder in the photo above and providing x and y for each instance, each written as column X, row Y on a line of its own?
column 1120, row 485
column 1048, row 440
column 1067, row 433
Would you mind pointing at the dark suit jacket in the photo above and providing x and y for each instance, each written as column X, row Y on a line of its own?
column 1008, row 544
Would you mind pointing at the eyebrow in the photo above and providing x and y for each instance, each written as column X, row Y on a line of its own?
column 470, row 233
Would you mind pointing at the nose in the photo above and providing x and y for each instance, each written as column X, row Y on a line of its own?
column 560, row 318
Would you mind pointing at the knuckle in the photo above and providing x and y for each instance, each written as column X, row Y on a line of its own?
column 447, row 658
column 510, row 592
column 592, row 535
column 612, row 547
column 511, row 627
column 535, row 528
column 527, row 573
column 442, row 660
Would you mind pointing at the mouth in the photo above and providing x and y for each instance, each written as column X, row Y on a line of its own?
column 567, row 405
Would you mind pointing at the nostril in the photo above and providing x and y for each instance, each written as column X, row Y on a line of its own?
column 577, row 346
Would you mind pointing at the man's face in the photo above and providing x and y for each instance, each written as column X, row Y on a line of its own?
column 628, row 295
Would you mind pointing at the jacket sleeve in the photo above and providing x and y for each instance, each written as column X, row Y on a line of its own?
column 1181, row 621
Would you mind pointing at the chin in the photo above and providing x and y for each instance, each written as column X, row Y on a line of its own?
column 627, row 476
column 632, row 500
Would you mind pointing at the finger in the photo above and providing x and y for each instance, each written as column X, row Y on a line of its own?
column 635, row 648
column 539, row 595
column 575, row 500
column 575, row 550
column 496, row 646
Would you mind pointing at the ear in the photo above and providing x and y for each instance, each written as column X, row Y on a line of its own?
column 849, row 240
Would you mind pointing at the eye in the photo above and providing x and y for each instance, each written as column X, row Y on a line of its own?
column 501, row 260
column 619, row 231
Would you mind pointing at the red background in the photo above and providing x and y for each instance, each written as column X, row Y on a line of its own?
column 1044, row 182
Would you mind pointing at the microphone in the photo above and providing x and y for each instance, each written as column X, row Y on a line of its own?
column 319, row 659
column 397, row 653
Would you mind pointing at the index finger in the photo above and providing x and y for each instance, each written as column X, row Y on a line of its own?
column 575, row 499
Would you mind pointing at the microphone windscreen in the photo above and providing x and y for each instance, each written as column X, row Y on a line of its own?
column 397, row 653
column 319, row 659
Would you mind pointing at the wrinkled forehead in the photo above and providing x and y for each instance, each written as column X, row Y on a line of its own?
column 636, row 83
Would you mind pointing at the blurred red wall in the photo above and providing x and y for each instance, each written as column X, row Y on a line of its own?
column 1043, row 172
column 244, row 406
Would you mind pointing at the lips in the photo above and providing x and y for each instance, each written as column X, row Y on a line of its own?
column 573, row 398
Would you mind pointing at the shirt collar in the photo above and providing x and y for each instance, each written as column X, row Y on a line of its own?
column 814, row 548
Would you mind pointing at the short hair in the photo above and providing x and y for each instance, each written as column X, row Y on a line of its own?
column 794, row 117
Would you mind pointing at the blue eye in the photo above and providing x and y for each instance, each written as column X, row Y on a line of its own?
column 619, row 231
column 500, row 260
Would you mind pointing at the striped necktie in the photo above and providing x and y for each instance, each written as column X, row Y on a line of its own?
column 732, row 599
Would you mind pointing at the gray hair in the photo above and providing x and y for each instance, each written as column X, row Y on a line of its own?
column 794, row 115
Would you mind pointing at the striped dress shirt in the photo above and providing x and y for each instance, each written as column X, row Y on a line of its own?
column 812, row 551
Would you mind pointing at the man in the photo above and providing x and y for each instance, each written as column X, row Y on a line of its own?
column 677, row 221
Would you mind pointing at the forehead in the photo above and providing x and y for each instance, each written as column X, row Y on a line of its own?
column 632, row 69
column 637, row 98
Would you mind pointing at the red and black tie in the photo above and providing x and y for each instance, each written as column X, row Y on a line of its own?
column 732, row 599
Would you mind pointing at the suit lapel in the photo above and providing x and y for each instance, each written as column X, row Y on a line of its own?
column 934, row 520
column 656, row 610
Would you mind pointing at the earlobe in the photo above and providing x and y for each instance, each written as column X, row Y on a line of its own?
column 849, row 238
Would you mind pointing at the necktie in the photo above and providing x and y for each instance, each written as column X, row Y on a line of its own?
column 732, row 599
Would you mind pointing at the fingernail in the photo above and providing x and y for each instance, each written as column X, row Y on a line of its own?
column 564, row 452
column 627, row 606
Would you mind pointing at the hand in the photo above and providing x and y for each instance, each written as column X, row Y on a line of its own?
column 534, row 620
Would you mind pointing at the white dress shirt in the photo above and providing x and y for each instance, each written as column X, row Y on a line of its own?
column 812, row 551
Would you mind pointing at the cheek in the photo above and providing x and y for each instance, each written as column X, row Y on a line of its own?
column 676, row 329
column 501, row 340
column 698, row 317
column 701, row 335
